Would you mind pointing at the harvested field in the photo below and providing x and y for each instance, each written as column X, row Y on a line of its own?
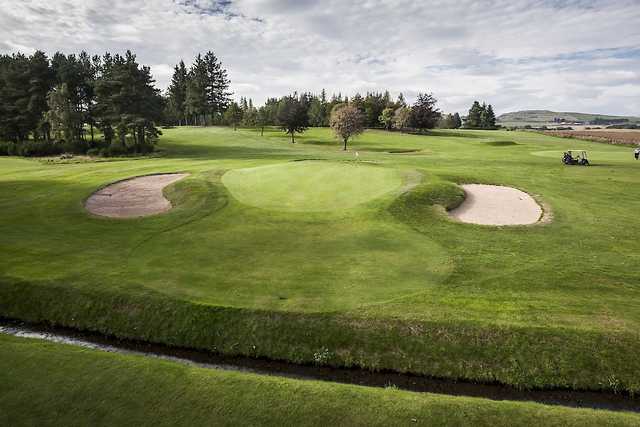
column 609, row 136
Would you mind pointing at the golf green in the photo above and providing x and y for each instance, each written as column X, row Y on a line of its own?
column 305, row 186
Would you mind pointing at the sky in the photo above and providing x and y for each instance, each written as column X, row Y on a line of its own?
column 574, row 55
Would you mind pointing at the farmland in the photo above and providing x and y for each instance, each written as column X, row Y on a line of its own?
column 609, row 136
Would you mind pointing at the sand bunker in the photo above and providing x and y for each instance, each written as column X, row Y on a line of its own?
column 135, row 197
column 496, row 205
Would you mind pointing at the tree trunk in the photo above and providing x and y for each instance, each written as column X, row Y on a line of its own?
column 293, row 141
column 345, row 145
column 262, row 131
column 92, row 133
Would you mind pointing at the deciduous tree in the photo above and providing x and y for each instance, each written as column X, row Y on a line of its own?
column 401, row 118
column 386, row 118
column 347, row 121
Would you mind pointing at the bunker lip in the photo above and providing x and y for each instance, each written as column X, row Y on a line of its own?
column 497, row 205
column 356, row 376
column 133, row 197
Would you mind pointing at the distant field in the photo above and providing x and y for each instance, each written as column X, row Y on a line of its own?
column 343, row 260
column 546, row 117
column 610, row 136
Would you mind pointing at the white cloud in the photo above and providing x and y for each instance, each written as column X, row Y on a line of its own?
column 564, row 55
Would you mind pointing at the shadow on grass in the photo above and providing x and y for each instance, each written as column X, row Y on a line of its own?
column 172, row 150
column 449, row 134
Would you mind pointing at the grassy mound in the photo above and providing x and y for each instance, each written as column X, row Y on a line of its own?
column 425, row 196
column 311, row 185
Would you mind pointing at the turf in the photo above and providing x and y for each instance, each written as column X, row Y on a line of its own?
column 382, row 280
column 310, row 185
column 54, row 384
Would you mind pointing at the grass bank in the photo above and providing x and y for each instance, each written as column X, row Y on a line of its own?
column 525, row 357
column 54, row 384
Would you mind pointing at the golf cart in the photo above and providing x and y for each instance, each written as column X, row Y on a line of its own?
column 575, row 157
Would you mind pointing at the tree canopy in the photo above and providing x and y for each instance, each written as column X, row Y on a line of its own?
column 292, row 115
column 424, row 114
column 346, row 122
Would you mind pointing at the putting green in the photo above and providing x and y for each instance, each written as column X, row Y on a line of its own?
column 310, row 185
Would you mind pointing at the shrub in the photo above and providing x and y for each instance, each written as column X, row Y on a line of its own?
column 38, row 148
column 8, row 148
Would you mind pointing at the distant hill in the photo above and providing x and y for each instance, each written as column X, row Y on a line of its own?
column 546, row 117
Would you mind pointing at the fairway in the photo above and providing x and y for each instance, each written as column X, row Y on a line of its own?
column 310, row 185
column 340, row 262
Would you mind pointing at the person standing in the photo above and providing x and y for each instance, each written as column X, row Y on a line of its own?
column 636, row 153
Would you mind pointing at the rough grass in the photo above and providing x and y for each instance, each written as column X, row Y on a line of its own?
column 389, row 283
column 53, row 384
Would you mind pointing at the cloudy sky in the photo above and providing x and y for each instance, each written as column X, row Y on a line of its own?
column 575, row 55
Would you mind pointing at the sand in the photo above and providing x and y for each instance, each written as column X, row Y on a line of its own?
column 497, row 205
column 132, row 198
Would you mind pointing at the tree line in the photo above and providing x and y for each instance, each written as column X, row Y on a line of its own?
column 109, row 105
column 58, row 104
column 304, row 110
column 100, row 104
column 297, row 112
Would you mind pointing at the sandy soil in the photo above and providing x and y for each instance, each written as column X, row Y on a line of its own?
column 496, row 205
column 133, row 198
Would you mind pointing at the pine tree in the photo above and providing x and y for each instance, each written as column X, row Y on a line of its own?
column 490, row 118
column 216, row 87
column 196, row 100
column 22, row 95
column 317, row 112
column 233, row 115
column 292, row 116
column 483, row 116
column 424, row 114
column 474, row 118
column 457, row 121
column 127, row 101
column 41, row 80
column 178, row 92
column 401, row 102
